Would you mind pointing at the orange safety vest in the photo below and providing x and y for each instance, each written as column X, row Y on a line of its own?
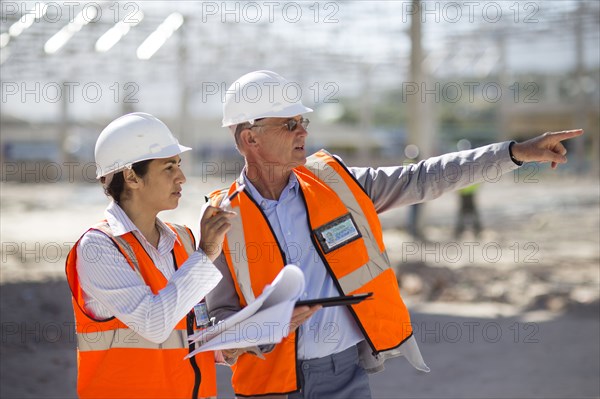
column 357, row 264
column 114, row 361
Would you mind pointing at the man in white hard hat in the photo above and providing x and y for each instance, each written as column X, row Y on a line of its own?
column 322, row 215
column 135, row 279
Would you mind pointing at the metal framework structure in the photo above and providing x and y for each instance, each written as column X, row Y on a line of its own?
column 326, row 41
column 176, row 59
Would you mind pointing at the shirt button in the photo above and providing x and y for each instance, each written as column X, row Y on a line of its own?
column 305, row 366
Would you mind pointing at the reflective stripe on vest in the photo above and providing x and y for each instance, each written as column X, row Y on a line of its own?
column 251, row 375
column 126, row 338
column 238, row 258
column 378, row 259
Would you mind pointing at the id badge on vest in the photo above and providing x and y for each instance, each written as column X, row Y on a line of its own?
column 337, row 233
column 201, row 315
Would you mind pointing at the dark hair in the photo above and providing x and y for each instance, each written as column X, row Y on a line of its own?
column 117, row 185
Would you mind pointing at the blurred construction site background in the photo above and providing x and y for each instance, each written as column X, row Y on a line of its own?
column 380, row 75
column 508, row 310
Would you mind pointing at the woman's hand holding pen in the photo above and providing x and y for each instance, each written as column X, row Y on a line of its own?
column 213, row 227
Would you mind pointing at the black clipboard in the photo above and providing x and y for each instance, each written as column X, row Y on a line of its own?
column 336, row 300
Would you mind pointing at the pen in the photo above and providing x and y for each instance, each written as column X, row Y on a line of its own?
column 227, row 201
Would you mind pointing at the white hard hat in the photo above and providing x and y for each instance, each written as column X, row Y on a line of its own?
column 261, row 94
column 133, row 138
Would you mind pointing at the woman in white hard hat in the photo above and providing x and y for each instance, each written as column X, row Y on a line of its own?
column 135, row 280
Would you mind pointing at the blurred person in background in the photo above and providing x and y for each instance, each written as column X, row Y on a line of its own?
column 467, row 211
column 135, row 279
column 322, row 215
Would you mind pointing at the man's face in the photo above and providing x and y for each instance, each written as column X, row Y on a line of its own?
column 277, row 145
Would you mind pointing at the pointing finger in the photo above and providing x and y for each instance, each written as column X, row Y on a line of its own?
column 565, row 134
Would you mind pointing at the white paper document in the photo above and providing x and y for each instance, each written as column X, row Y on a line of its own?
column 264, row 321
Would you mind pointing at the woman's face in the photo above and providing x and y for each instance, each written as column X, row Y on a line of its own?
column 160, row 188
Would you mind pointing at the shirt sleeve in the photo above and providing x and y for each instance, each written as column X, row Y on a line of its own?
column 392, row 187
column 113, row 287
column 223, row 301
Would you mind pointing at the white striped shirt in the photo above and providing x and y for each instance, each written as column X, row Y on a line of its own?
column 112, row 288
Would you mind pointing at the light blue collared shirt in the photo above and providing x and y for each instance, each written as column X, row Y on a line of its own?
column 332, row 329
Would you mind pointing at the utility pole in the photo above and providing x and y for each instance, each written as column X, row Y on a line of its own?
column 366, row 112
column 504, row 109
column 581, row 111
column 421, row 116
column 64, row 129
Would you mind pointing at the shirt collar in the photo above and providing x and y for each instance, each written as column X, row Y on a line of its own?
column 291, row 188
column 121, row 224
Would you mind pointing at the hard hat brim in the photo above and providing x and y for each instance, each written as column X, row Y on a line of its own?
column 166, row 152
column 293, row 110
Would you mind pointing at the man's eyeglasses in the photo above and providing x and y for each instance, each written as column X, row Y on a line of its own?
column 291, row 124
